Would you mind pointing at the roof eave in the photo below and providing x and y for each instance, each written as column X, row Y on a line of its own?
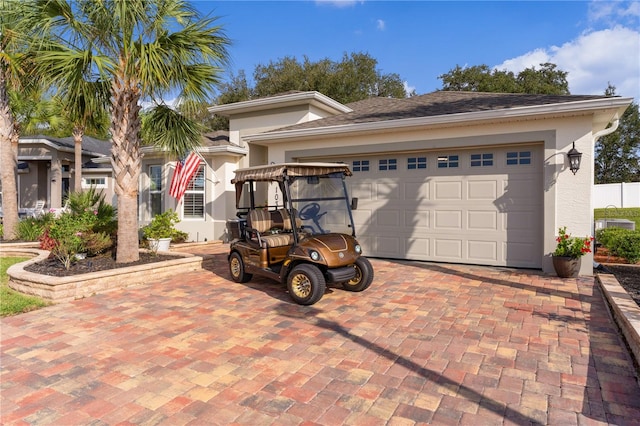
column 615, row 105
column 291, row 99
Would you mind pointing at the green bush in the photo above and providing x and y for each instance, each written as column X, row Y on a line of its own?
column 30, row 229
column 162, row 226
column 607, row 236
column 621, row 242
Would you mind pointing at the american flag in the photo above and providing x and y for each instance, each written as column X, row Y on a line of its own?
column 185, row 169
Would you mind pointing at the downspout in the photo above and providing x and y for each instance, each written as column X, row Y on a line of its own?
column 607, row 131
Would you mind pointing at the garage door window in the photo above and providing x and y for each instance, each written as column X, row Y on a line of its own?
column 360, row 165
column 447, row 161
column 518, row 158
column 389, row 164
column 481, row 160
column 414, row 163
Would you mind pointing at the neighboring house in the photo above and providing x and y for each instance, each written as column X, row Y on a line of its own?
column 461, row 177
column 46, row 169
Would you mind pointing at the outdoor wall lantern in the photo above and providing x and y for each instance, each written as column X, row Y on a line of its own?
column 574, row 159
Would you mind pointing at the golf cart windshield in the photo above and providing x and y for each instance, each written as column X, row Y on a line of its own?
column 321, row 203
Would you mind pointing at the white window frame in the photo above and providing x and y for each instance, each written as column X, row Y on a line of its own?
column 191, row 191
column 85, row 182
column 155, row 191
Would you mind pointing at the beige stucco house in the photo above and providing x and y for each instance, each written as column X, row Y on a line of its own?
column 462, row 177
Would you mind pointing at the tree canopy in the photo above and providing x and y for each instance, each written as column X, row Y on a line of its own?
column 548, row 80
column 618, row 154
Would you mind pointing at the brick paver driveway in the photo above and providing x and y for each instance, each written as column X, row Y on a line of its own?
column 427, row 343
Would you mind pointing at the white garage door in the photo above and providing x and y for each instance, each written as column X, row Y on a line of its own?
column 466, row 206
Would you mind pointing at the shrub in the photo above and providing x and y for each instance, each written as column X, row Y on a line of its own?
column 30, row 229
column 607, row 236
column 621, row 242
column 162, row 226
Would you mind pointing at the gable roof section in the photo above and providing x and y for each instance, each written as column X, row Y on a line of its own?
column 293, row 98
column 444, row 107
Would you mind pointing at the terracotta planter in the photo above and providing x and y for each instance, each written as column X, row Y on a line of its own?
column 566, row 267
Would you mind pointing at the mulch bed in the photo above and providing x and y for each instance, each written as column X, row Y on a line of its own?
column 102, row 262
column 627, row 275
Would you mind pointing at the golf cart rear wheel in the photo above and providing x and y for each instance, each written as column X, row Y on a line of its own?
column 363, row 278
column 236, row 268
column 306, row 284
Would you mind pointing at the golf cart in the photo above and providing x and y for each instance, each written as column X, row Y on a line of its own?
column 306, row 243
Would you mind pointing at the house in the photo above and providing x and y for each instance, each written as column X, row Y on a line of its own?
column 46, row 167
column 462, row 177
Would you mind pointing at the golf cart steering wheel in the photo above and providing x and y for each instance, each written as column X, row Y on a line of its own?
column 309, row 212
column 312, row 212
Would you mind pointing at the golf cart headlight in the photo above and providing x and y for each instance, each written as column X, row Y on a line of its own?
column 315, row 256
column 358, row 248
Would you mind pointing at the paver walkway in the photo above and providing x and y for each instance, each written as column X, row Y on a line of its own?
column 427, row 343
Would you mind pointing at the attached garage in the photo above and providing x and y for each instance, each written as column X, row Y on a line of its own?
column 481, row 206
column 457, row 177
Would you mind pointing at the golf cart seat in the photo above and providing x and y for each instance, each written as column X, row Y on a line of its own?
column 270, row 228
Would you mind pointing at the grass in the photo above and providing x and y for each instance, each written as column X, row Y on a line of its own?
column 630, row 213
column 11, row 301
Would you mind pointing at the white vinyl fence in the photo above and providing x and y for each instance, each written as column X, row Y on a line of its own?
column 616, row 195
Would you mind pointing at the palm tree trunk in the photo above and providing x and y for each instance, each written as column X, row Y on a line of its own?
column 126, row 161
column 78, row 132
column 8, row 163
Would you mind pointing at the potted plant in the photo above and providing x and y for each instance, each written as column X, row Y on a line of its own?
column 161, row 230
column 566, row 257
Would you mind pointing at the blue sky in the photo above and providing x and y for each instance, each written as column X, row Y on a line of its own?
column 595, row 41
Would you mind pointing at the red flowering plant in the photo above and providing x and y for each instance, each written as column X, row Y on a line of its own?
column 569, row 246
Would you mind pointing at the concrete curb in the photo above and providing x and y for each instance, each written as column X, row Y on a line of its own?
column 625, row 312
column 64, row 289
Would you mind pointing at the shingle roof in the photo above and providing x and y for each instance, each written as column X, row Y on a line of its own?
column 217, row 138
column 434, row 104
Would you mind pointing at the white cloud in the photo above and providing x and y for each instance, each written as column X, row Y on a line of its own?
column 407, row 88
column 612, row 12
column 592, row 60
column 380, row 25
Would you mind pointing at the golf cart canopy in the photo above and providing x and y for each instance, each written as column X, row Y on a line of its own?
column 279, row 172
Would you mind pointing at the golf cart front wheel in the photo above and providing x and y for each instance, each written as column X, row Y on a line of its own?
column 363, row 278
column 306, row 284
column 236, row 268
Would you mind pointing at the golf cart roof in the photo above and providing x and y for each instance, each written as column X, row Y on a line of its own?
column 278, row 172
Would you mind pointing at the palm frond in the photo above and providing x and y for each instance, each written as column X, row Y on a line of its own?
column 168, row 129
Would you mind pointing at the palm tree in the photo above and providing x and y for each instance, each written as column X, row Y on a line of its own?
column 147, row 50
column 14, row 76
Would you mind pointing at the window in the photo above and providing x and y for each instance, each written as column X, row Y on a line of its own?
column 360, row 165
column 447, row 161
column 94, row 182
column 390, row 164
column 414, row 163
column 481, row 160
column 515, row 158
column 194, row 201
column 155, row 189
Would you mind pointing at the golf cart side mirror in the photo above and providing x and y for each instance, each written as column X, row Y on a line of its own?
column 354, row 203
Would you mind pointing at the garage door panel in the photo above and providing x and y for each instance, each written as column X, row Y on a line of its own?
column 448, row 219
column 482, row 190
column 482, row 220
column 388, row 245
column 448, row 249
column 418, row 219
column 519, row 255
column 388, row 218
column 448, row 190
column 482, row 251
column 418, row 248
column 418, row 191
column 387, row 191
column 363, row 191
